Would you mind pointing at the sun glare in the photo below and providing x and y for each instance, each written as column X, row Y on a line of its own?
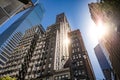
column 66, row 41
column 97, row 32
column 101, row 30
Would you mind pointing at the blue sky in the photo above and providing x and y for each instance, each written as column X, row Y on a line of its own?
column 77, row 13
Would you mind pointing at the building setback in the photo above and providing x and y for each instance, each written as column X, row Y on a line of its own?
column 49, row 56
column 106, row 17
column 21, row 57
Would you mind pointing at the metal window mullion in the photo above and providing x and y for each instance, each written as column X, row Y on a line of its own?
column 5, row 52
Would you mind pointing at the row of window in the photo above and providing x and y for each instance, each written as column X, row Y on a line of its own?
column 76, row 56
column 75, row 44
column 8, row 47
column 79, row 79
column 61, row 77
column 39, row 60
column 79, row 72
column 15, row 60
column 75, row 50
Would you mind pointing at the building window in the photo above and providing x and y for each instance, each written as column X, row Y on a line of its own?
column 75, row 78
column 66, row 75
column 83, row 79
column 76, row 73
column 83, row 72
column 44, row 67
column 72, row 45
column 51, row 49
column 79, row 72
column 79, row 55
column 81, row 62
column 50, row 59
column 42, row 72
column 76, row 56
column 63, row 76
column 56, row 78
column 73, row 56
column 49, row 65
column 77, row 44
column 84, row 56
column 78, row 49
column 78, row 63
column 76, row 39
column 73, row 51
column 59, row 77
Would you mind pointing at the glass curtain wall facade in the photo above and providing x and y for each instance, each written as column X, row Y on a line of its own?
column 8, row 8
column 17, row 25
column 105, row 66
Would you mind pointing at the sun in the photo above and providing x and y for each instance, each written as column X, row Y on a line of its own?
column 92, row 32
column 101, row 30
column 66, row 41
column 97, row 32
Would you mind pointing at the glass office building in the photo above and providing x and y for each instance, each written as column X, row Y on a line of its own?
column 104, row 64
column 9, row 8
column 14, row 28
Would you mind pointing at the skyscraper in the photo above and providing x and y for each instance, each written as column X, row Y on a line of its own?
column 9, row 8
column 105, row 66
column 61, row 49
column 81, row 68
column 49, row 63
column 109, row 19
column 17, row 25
column 50, row 48
column 17, row 65
column 46, row 55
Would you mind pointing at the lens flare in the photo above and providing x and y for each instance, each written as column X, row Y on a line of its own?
column 101, row 30
column 66, row 41
column 97, row 32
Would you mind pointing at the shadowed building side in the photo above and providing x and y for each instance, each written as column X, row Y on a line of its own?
column 108, row 17
column 80, row 65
